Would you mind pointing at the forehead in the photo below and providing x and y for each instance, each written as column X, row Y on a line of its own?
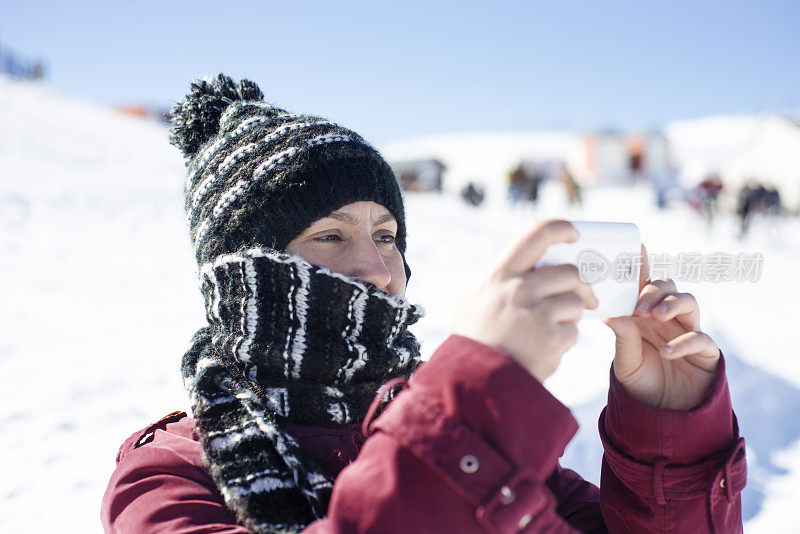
column 361, row 211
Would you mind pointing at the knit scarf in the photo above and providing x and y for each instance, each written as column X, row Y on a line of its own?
column 287, row 341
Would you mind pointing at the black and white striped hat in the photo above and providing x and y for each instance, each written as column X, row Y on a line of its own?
column 258, row 176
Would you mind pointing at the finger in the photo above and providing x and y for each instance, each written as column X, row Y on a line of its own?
column 555, row 279
column 681, row 306
column 658, row 334
column 565, row 307
column 628, row 350
column 526, row 252
column 690, row 343
column 652, row 293
column 644, row 270
column 568, row 331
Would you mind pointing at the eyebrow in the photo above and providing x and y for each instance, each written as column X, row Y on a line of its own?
column 349, row 219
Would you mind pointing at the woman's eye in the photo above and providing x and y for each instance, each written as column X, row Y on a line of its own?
column 386, row 239
column 328, row 238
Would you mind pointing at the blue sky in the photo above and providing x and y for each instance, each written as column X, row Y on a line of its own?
column 393, row 70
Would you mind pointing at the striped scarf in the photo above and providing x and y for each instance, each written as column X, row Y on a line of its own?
column 287, row 341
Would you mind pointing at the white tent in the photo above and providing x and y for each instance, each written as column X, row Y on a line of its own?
column 703, row 146
column 772, row 158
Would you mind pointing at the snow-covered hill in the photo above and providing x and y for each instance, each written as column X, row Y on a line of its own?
column 100, row 300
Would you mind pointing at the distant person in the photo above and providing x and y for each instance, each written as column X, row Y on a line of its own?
column 708, row 192
column 473, row 194
column 751, row 201
column 744, row 207
column 304, row 417
column 534, row 178
column 571, row 188
column 517, row 184
column 664, row 184
column 772, row 202
column 661, row 190
column 773, row 209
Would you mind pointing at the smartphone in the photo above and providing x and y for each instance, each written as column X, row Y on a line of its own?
column 608, row 256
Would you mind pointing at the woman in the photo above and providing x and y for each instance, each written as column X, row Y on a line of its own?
column 299, row 231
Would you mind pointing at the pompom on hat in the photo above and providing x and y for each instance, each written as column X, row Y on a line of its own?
column 258, row 176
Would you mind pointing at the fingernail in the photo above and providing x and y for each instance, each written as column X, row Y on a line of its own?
column 668, row 349
column 643, row 306
column 661, row 307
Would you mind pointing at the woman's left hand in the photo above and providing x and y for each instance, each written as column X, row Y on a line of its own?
column 662, row 358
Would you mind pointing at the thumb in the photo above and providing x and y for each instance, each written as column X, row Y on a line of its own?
column 628, row 349
column 644, row 270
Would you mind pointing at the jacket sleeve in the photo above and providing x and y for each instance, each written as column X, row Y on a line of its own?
column 186, row 499
column 578, row 501
column 672, row 470
column 468, row 446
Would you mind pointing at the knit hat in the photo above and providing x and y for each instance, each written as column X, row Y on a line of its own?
column 258, row 176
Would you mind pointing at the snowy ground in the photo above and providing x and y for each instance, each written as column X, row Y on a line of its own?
column 100, row 301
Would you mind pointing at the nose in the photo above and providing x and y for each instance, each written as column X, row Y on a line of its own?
column 368, row 265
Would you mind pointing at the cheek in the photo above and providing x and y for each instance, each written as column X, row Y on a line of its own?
column 397, row 286
column 314, row 255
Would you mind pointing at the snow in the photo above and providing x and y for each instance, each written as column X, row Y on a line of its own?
column 100, row 300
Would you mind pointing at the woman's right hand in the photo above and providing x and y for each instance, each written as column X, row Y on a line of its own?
column 529, row 313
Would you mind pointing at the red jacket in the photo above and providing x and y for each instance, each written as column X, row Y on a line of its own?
column 470, row 445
